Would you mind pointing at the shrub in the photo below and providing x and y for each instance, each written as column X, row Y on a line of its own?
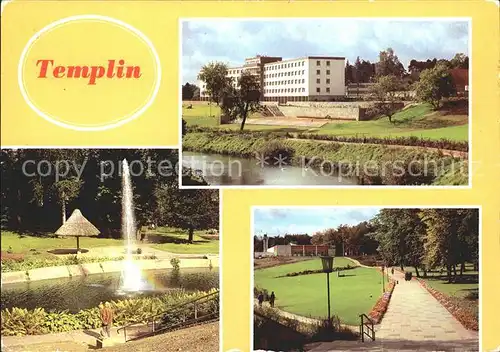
column 20, row 322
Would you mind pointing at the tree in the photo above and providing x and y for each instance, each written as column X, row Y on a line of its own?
column 67, row 190
column 383, row 92
column 400, row 234
column 188, row 91
column 214, row 74
column 452, row 238
column 349, row 73
column 239, row 102
column 389, row 64
column 460, row 60
column 434, row 85
column 188, row 209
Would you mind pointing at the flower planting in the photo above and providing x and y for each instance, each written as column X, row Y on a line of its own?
column 465, row 313
column 379, row 309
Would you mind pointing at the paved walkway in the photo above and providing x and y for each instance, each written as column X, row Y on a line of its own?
column 85, row 337
column 414, row 321
column 414, row 314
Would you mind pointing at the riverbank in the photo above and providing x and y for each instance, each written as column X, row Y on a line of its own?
column 372, row 164
column 56, row 272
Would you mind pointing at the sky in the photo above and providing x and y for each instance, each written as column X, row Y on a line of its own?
column 233, row 40
column 299, row 220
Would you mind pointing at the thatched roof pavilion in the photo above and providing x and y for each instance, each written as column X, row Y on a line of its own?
column 78, row 226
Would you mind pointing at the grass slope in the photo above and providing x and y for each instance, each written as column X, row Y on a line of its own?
column 418, row 120
column 351, row 295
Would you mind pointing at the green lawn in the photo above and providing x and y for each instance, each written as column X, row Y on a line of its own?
column 464, row 287
column 418, row 120
column 175, row 241
column 32, row 246
column 168, row 239
column 351, row 295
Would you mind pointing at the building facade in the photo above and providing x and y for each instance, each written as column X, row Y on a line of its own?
column 287, row 250
column 311, row 78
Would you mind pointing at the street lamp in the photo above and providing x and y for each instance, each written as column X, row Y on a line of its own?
column 327, row 262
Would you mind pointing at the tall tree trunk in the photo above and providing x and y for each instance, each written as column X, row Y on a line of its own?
column 190, row 235
column 245, row 113
column 63, row 208
column 425, row 272
column 455, row 271
column 416, row 272
column 462, row 268
column 448, row 273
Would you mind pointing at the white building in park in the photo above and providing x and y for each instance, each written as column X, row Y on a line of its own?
column 311, row 78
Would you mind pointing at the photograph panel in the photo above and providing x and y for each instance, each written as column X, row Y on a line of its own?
column 366, row 278
column 100, row 248
column 341, row 102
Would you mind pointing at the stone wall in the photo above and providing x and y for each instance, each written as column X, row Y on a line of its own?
column 332, row 110
column 55, row 272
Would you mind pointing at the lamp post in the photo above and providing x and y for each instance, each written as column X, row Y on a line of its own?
column 327, row 262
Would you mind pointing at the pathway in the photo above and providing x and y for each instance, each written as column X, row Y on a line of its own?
column 414, row 314
column 414, row 321
column 84, row 337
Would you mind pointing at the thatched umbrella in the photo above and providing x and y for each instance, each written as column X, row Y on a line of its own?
column 78, row 226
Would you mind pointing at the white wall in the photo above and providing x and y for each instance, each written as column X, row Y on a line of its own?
column 288, row 75
column 336, row 77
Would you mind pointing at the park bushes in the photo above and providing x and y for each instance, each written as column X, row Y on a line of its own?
column 318, row 271
column 9, row 265
column 20, row 322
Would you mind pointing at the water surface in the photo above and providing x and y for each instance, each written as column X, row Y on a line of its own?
column 81, row 292
column 228, row 170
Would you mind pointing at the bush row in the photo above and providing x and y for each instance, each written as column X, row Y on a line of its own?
column 20, row 322
column 414, row 141
column 25, row 265
column 461, row 309
column 318, row 271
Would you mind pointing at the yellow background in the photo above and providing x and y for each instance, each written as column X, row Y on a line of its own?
column 159, row 126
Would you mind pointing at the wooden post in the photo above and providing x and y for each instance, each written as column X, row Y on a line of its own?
column 77, row 244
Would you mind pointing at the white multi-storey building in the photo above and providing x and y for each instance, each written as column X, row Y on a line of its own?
column 311, row 78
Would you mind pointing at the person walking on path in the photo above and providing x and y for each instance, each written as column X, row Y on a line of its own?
column 271, row 299
column 261, row 299
column 106, row 318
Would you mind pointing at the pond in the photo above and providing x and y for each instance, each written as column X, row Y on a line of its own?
column 81, row 292
column 228, row 170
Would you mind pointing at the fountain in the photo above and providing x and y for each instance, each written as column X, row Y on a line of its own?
column 131, row 279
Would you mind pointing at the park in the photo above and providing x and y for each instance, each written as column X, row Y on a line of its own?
column 76, row 241
column 394, row 281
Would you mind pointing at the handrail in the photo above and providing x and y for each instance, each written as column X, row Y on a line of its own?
column 369, row 327
column 174, row 307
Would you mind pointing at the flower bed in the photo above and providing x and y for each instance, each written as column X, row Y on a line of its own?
column 379, row 309
column 455, row 306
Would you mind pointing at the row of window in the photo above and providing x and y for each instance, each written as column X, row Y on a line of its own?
column 286, row 65
column 282, row 74
column 285, row 90
column 291, row 90
column 278, row 83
